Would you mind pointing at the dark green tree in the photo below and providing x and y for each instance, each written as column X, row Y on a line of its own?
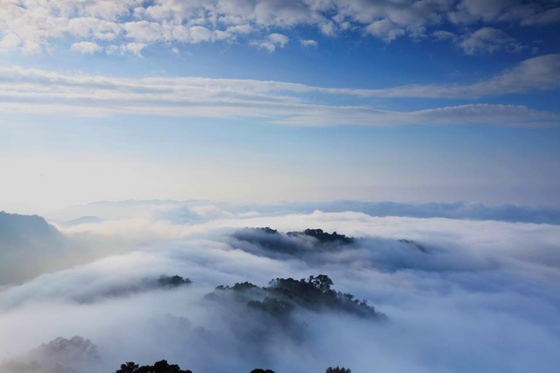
column 321, row 282
column 159, row 367
column 129, row 367
column 173, row 281
column 338, row 370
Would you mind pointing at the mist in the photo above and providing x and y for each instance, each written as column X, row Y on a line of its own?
column 450, row 293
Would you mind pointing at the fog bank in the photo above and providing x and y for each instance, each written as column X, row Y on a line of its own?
column 458, row 295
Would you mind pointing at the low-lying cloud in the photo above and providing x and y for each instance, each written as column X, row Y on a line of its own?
column 459, row 295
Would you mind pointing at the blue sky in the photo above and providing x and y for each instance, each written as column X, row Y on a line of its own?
column 254, row 100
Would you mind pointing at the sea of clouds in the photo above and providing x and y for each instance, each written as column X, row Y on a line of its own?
column 461, row 294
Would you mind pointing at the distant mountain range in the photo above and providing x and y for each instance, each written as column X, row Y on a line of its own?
column 20, row 230
column 184, row 211
column 30, row 246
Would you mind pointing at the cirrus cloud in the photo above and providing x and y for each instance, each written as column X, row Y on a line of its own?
column 41, row 91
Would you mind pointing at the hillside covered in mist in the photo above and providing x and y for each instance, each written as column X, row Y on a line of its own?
column 30, row 246
column 256, row 316
column 211, row 289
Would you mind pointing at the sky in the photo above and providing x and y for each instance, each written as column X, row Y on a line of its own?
column 263, row 101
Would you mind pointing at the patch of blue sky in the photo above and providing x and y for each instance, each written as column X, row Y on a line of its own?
column 464, row 94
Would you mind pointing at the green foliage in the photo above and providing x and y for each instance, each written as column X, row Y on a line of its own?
column 338, row 370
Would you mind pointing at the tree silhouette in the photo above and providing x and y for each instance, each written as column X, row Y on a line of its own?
column 321, row 282
column 173, row 281
column 283, row 295
column 159, row 367
column 338, row 370
column 129, row 367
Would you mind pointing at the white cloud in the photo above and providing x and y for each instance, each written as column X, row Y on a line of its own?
column 469, row 11
column 328, row 28
column 547, row 17
column 512, row 11
column 385, row 30
column 134, row 48
column 40, row 24
column 86, row 47
column 278, row 39
column 10, row 42
column 489, row 40
column 444, row 35
column 308, row 43
column 39, row 91
column 537, row 73
column 94, row 28
column 477, row 280
column 199, row 33
column 477, row 114
column 240, row 29
column 202, row 34
column 270, row 47
column 144, row 31
column 271, row 42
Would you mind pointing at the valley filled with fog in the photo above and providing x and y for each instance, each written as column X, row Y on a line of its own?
column 229, row 288
column 279, row 186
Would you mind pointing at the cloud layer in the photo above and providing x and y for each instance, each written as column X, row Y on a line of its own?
column 33, row 26
column 40, row 91
column 459, row 295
